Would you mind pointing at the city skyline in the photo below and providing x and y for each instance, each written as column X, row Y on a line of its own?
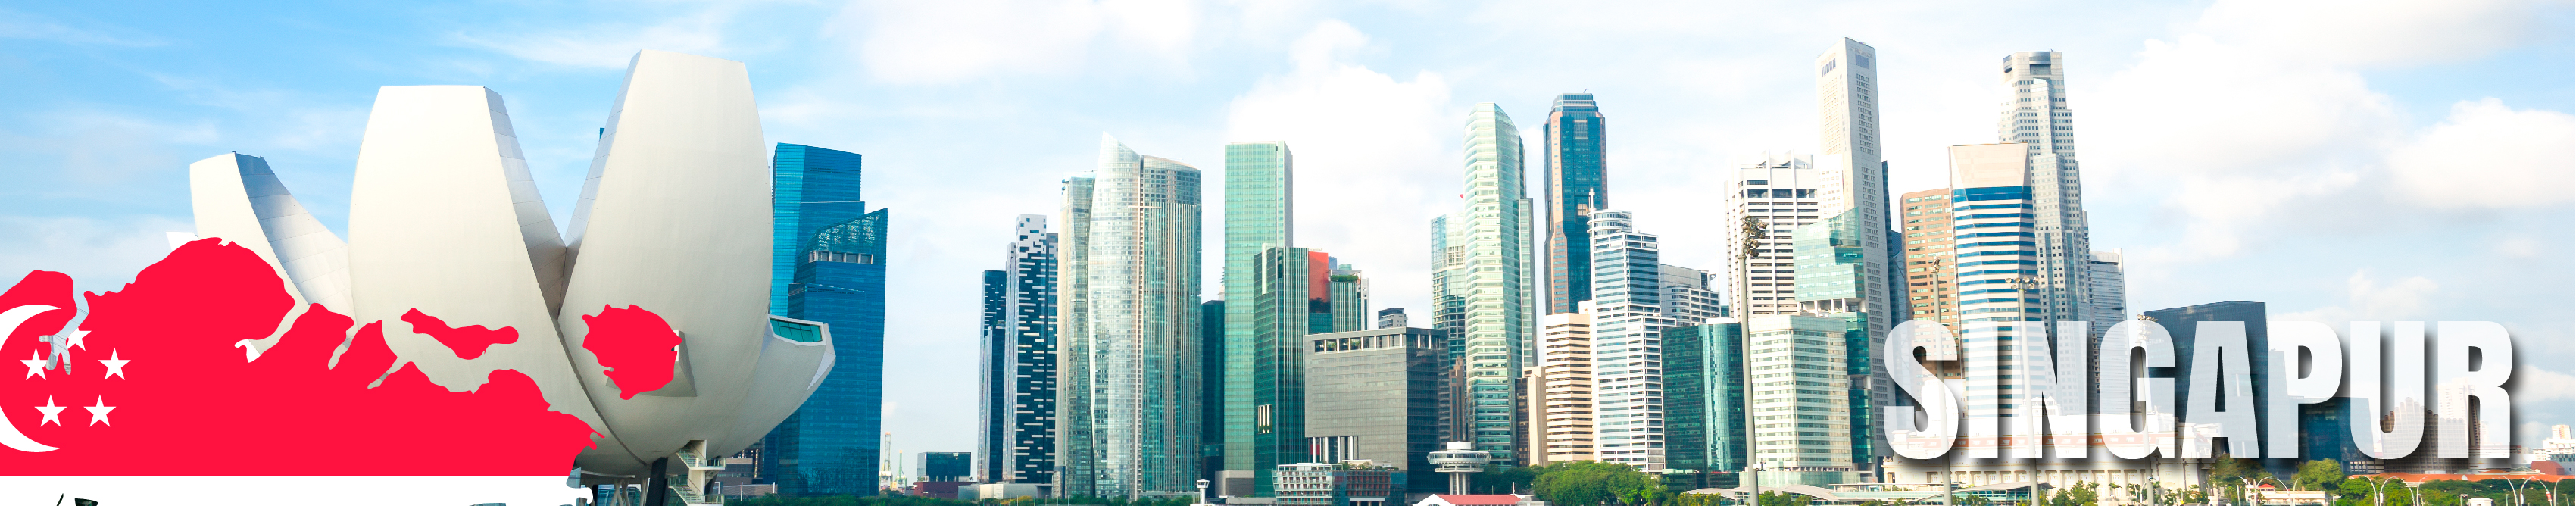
column 1649, row 127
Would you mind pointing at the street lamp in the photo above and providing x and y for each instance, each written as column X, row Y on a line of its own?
column 2377, row 497
column 2412, row 493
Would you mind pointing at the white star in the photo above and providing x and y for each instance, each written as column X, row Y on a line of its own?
column 114, row 367
column 35, row 366
column 98, row 413
column 53, row 413
column 74, row 339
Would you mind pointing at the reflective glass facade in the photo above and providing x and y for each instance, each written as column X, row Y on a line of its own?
column 1704, row 398
column 1578, row 183
column 1142, row 345
column 810, row 188
column 1493, row 278
column 1258, row 216
column 830, row 445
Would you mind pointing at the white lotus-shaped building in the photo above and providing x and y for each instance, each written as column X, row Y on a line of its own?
column 674, row 219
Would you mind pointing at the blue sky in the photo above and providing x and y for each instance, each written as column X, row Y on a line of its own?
column 2373, row 160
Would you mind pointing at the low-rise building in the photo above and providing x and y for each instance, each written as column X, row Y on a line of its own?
column 1349, row 483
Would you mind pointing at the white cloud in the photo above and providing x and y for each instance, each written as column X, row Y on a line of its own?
column 2488, row 155
column 612, row 45
column 1369, row 151
column 2365, row 298
column 99, row 147
column 99, row 253
column 947, row 42
column 2375, row 32
column 2534, row 385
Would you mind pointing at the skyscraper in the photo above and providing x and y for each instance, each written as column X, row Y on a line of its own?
column 1282, row 316
column 1578, row 182
column 1142, row 344
column 1627, row 326
column 810, row 188
column 1704, row 398
column 1484, row 266
column 1931, row 288
column 2106, row 291
column 836, row 276
column 1799, row 395
column 1077, row 455
column 2035, row 114
column 1779, row 190
column 1020, row 359
column 1850, row 161
column 1259, row 214
column 1563, row 409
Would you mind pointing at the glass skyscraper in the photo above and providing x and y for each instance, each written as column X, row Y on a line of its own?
column 1259, row 215
column 1484, row 285
column 1018, row 411
column 810, row 188
column 1140, row 382
column 1076, row 456
column 2036, row 115
column 833, row 258
column 1578, row 183
column 1704, row 399
column 830, row 267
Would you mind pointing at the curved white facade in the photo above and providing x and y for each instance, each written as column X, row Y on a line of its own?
column 237, row 197
column 445, row 218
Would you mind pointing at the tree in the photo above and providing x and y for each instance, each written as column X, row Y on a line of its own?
column 1784, row 499
column 2320, row 474
column 1588, row 483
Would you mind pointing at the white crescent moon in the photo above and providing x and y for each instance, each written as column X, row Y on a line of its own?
column 9, row 435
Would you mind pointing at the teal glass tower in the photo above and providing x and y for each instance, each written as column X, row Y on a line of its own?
column 833, row 258
column 1484, row 286
column 1578, row 183
column 1704, row 400
column 1258, row 216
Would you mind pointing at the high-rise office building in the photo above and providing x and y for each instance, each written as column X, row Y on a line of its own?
column 1628, row 319
column 1212, row 363
column 1686, row 295
column 1020, row 345
column 1562, row 408
column 1259, row 215
column 1483, row 271
column 1830, row 275
column 810, row 188
column 1779, row 190
column 2035, row 115
column 1851, row 162
column 1077, row 456
column 1704, row 400
column 1348, row 303
column 835, row 276
column 1931, row 279
column 2184, row 325
column 1284, row 302
column 946, row 466
column 1391, row 317
column 1578, row 182
column 1798, row 387
column 1374, row 395
column 2106, row 291
column 1142, row 342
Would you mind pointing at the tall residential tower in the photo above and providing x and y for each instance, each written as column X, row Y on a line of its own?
column 1019, row 374
column 1141, row 347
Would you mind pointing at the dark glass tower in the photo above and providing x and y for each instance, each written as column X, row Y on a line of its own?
column 1019, row 373
column 1704, row 401
column 835, row 264
column 1578, row 182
